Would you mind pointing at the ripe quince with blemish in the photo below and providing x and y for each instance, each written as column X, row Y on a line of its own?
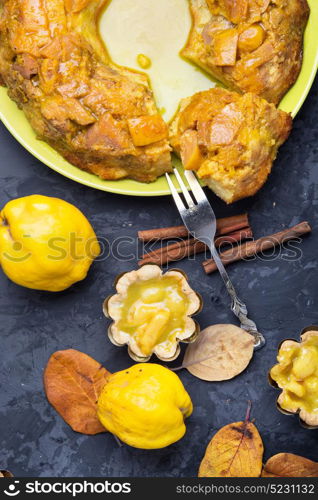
column 45, row 243
column 145, row 406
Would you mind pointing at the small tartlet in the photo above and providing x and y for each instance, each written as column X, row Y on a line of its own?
column 166, row 349
column 288, row 402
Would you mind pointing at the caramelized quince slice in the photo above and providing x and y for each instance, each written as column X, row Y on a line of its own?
column 148, row 129
column 149, row 334
column 251, row 38
column 224, row 47
column 234, row 10
column 191, row 155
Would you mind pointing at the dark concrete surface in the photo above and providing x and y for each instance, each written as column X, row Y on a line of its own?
column 281, row 295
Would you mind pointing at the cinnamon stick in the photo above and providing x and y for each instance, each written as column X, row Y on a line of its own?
column 161, row 252
column 225, row 225
column 252, row 248
column 186, row 248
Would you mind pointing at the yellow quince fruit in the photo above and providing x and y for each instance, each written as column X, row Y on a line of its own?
column 145, row 406
column 45, row 243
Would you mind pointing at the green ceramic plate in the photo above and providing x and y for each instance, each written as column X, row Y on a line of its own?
column 17, row 124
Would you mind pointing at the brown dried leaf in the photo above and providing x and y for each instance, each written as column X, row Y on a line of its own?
column 6, row 473
column 236, row 450
column 73, row 382
column 221, row 352
column 289, row 465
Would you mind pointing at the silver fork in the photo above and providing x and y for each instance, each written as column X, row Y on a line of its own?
column 199, row 218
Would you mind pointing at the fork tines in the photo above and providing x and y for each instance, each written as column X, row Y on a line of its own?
column 197, row 191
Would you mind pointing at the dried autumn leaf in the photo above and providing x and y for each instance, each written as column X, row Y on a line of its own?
column 73, row 382
column 236, row 450
column 5, row 473
column 289, row 465
column 220, row 353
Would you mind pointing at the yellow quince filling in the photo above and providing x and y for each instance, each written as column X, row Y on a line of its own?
column 297, row 374
column 154, row 311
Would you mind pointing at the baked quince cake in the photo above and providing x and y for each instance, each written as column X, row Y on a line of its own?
column 98, row 116
column 249, row 45
column 230, row 140
column 103, row 118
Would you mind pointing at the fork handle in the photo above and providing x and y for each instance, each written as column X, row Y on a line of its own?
column 238, row 307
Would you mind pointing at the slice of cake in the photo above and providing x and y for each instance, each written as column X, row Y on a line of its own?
column 230, row 140
column 249, row 45
column 98, row 116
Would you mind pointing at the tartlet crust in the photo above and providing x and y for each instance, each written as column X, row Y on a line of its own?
column 166, row 351
column 306, row 418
